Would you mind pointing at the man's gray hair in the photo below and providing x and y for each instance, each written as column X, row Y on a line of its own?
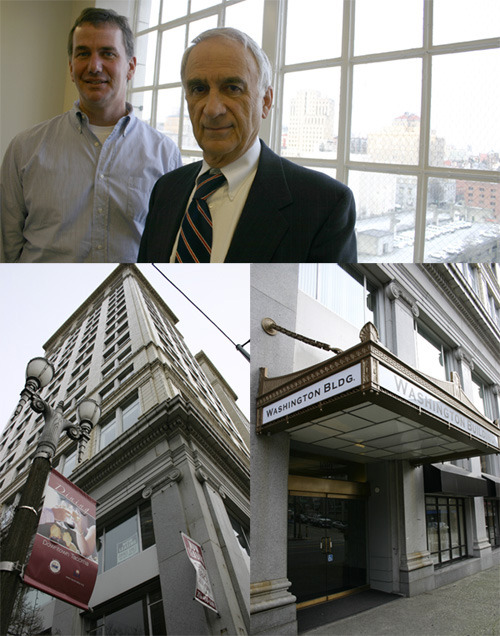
column 263, row 64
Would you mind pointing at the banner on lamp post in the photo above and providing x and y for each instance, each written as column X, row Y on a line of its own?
column 203, row 592
column 63, row 561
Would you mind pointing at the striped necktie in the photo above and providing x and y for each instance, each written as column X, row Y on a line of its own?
column 195, row 238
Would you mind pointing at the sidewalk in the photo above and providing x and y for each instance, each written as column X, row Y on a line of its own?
column 469, row 607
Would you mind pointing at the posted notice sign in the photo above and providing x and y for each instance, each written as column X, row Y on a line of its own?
column 63, row 561
column 203, row 592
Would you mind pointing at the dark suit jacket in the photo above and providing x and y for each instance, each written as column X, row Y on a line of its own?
column 292, row 215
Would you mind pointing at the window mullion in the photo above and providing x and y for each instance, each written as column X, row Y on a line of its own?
column 424, row 146
column 273, row 43
column 346, row 82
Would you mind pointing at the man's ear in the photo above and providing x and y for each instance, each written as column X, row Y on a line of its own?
column 267, row 102
column 132, row 63
column 71, row 70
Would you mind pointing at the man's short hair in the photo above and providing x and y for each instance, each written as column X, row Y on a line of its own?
column 104, row 16
column 263, row 64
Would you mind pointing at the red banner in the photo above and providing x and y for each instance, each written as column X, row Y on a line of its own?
column 63, row 561
column 203, row 592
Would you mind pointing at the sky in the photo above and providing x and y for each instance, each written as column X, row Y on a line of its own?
column 38, row 298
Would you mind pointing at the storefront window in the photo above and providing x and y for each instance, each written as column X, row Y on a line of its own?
column 132, row 616
column 126, row 538
column 446, row 539
column 491, row 511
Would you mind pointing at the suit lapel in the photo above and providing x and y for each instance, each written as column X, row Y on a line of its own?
column 262, row 226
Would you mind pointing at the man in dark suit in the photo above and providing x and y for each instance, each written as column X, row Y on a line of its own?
column 265, row 208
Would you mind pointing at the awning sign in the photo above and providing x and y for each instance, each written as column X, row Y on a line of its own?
column 427, row 402
column 322, row 390
column 63, row 561
column 203, row 592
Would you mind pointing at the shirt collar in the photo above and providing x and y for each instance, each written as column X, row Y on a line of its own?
column 125, row 123
column 237, row 171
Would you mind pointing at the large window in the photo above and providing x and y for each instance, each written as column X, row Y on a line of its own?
column 131, row 615
column 491, row 510
column 125, row 538
column 348, row 295
column 395, row 99
column 431, row 358
column 446, row 539
column 119, row 421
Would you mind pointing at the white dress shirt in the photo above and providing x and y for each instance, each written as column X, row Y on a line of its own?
column 226, row 204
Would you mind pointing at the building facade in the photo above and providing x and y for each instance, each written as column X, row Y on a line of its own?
column 374, row 464
column 169, row 455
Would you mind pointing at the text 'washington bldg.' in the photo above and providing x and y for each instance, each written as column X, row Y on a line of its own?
column 169, row 455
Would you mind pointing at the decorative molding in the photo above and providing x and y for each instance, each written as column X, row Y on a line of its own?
column 394, row 291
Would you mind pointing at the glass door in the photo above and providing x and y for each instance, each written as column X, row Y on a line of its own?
column 326, row 546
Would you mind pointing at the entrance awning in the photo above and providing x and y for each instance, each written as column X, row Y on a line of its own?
column 493, row 485
column 367, row 405
column 452, row 480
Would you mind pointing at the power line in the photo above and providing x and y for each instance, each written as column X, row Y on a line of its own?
column 238, row 347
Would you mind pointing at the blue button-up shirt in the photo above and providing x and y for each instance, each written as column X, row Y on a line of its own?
column 65, row 197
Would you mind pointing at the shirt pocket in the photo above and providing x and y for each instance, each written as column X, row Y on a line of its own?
column 138, row 193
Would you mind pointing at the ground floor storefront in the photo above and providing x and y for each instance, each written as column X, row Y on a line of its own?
column 384, row 488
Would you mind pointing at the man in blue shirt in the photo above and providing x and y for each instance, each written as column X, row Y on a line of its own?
column 76, row 188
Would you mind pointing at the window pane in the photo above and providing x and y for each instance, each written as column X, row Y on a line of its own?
column 157, row 618
column 142, row 103
column 121, row 542
column 195, row 28
column 248, row 17
column 128, row 620
column 145, row 53
column 108, row 434
column 386, row 207
column 147, row 14
column 388, row 25
column 462, row 221
column 198, row 5
column 464, row 109
column 386, row 110
column 444, row 533
column 168, row 112
column 335, row 288
column 130, row 415
column 471, row 20
column 173, row 9
column 147, row 529
column 478, row 394
column 430, row 359
column 309, row 126
column 173, row 43
column 313, row 34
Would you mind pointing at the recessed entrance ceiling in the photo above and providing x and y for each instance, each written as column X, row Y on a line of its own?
column 369, row 432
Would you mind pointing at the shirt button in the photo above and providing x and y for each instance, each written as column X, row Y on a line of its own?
column 96, row 143
column 99, row 247
column 100, row 210
column 101, row 176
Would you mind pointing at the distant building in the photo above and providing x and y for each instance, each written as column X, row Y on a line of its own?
column 311, row 122
column 169, row 454
column 482, row 195
column 400, row 142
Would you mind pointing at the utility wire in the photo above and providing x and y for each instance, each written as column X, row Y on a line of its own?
column 238, row 346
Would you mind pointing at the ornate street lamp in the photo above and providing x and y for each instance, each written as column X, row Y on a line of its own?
column 39, row 373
